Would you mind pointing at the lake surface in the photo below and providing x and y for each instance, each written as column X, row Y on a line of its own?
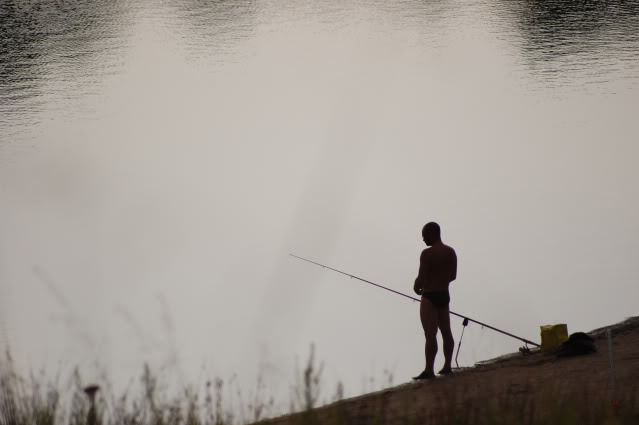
column 160, row 159
column 58, row 57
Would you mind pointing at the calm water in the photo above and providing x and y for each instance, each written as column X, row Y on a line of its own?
column 159, row 159
column 57, row 56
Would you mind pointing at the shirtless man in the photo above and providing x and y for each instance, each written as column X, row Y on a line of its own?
column 437, row 268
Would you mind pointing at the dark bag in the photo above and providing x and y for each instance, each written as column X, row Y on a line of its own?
column 577, row 344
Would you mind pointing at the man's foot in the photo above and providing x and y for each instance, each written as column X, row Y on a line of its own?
column 426, row 374
column 445, row 371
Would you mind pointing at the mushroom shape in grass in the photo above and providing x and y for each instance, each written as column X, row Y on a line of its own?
column 90, row 392
column 92, row 416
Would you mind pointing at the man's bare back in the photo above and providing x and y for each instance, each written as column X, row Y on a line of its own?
column 437, row 268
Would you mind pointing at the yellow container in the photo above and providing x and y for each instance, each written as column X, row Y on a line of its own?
column 552, row 336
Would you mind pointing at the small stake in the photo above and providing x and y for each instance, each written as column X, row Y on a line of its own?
column 464, row 324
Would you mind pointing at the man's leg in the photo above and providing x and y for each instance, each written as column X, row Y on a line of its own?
column 447, row 335
column 429, row 317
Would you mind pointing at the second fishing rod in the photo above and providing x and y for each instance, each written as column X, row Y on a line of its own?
column 527, row 342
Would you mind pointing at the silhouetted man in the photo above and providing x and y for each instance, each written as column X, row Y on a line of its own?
column 437, row 268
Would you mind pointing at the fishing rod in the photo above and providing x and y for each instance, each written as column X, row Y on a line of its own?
column 418, row 300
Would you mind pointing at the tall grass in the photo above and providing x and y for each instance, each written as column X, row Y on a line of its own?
column 35, row 400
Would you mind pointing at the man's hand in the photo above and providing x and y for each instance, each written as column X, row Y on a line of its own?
column 422, row 275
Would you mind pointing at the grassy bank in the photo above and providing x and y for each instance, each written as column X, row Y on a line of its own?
column 34, row 400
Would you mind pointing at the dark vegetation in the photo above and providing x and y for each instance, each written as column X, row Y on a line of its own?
column 37, row 401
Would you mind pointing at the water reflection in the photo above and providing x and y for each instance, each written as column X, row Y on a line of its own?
column 20, row 51
column 66, row 46
column 211, row 27
column 55, row 51
column 558, row 38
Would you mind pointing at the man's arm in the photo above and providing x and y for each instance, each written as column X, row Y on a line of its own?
column 454, row 261
column 420, row 281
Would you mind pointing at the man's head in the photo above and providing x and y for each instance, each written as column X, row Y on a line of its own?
column 431, row 233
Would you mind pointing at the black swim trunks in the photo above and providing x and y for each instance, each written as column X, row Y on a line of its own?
column 439, row 299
